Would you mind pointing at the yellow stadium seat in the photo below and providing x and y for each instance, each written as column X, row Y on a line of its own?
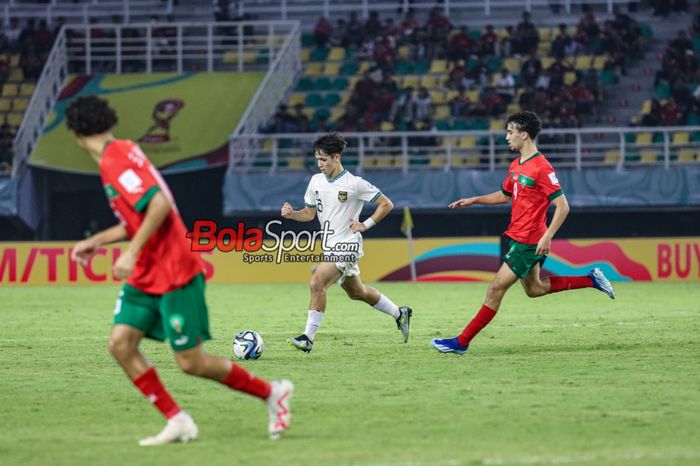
column 297, row 98
column 545, row 33
column 268, row 144
column 345, row 98
column 27, row 89
column 353, row 81
column 547, row 62
column 14, row 61
column 442, row 112
column 14, row 119
column 387, row 126
column 643, row 139
column 680, row 138
column 364, row 66
column 411, row 81
column 437, row 160
column 331, row 69
column 305, row 54
column 404, row 52
column 20, row 104
column 5, row 105
column 231, row 56
column 599, row 62
column 308, row 112
column 649, row 156
column 612, row 157
column 467, row 141
column 16, row 75
column 646, row 107
column 445, row 141
column 473, row 95
column 337, row 54
column 686, row 155
column 438, row 66
column 512, row 64
column 429, row 81
column 10, row 90
column 497, row 124
column 583, row 62
column 451, row 94
column 438, row 97
column 569, row 78
column 295, row 162
column 385, row 161
column 313, row 69
column 513, row 108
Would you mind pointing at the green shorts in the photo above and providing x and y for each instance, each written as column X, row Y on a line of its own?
column 521, row 257
column 180, row 315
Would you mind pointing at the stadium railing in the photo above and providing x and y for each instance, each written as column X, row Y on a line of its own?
column 129, row 10
column 615, row 148
column 169, row 47
column 296, row 9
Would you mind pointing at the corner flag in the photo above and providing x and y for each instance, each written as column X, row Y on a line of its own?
column 407, row 230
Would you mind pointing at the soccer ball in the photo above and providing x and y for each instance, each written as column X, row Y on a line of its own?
column 248, row 345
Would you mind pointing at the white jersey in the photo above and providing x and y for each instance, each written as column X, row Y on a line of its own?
column 339, row 200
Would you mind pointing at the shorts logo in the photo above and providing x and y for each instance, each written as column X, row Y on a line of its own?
column 177, row 322
column 182, row 340
column 110, row 191
column 342, row 196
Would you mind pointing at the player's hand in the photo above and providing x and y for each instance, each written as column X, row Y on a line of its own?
column 462, row 203
column 357, row 227
column 543, row 245
column 287, row 210
column 124, row 265
column 83, row 250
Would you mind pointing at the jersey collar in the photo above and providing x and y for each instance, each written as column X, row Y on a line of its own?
column 331, row 180
column 536, row 154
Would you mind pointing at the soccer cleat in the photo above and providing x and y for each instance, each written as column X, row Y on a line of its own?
column 302, row 342
column 180, row 428
column 449, row 345
column 278, row 407
column 404, row 321
column 601, row 282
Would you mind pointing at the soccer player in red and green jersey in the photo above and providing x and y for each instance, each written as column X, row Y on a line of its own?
column 531, row 185
column 163, row 297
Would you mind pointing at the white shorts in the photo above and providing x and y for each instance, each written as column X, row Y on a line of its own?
column 349, row 268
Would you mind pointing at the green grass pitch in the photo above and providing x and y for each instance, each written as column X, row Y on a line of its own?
column 572, row 378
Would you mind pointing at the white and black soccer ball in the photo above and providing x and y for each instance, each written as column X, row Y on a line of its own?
column 248, row 345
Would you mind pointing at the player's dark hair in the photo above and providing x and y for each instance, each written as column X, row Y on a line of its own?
column 90, row 115
column 528, row 122
column 330, row 144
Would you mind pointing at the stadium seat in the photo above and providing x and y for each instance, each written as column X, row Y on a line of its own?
column 436, row 160
column 20, row 104
column 467, row 141
column 313, row 69
column 313, row 100
column 646, row 107
column 643, row 139
column 297, row 98
column 473, row 95
column 497, row 124
column 331, row 100
column 430, row 81
column 545, row 34
column 583, row 62
column 680, row 138
column 547, row 62
column 331, row 69
column 599, row 62
column 662, row 91
column 387, row 126
column 512, row 64
column 5, row 105
column 386, row 161
column 686, row 155
column 321, row 114
column 16, row 75
column 438, row 66
column 305, row 55
column 319, row 55
column 607, row 77
column 14, row 119
column 10, row 90
column 348, row 69
column 337, row 54
column 411, row 80
column 438, row 97
column 340, row 84
column 305, row 84
column 544, row 48
column 295, row 162
column 322, row 84
column 612, row 157
column 14, row 61
column 649, row 156
column 337, row 112
column 442, row 112
column 449, row 140
column 569, row 78
column 404, row 52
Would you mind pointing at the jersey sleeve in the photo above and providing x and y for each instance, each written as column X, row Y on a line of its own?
column 507, row 185
column 134, row 180
column 548, row 182
column 309, row 196
column 366, row 191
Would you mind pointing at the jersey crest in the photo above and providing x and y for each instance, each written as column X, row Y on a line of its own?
column 342, row 196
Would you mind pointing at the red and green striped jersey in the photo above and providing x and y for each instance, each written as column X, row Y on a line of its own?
column 166, row 261
column 532, row 185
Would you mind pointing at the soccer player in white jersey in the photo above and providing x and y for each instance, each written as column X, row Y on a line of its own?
column 336, row 196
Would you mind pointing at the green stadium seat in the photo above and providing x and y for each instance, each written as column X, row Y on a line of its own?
column 443, row 125
column 305, row 84
column 323, row 84
column 307, row 40
column 319, row 54
column 340, row 84
column 313, row 100
column 662, row 91
column 331, row 100
column 348, row 69
column 322, row 114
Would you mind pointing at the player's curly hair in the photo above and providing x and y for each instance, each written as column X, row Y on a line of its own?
column 331, row 144
column 90, row 115
column 528, row 122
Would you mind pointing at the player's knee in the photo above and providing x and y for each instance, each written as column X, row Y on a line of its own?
column 356, row 294
column 495, row 290
column 533, row 289
column 120, row 346
column 316, row 286
column 190, row 365
column 532, row 292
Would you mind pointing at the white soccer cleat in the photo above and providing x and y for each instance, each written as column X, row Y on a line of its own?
column 278, row 407
column 180, row 428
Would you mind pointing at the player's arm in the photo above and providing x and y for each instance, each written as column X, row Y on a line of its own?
column 306, row 214
column 384, row 206
column 84, row 249
column 561, row 210
column 498, row 197
column 157, row 211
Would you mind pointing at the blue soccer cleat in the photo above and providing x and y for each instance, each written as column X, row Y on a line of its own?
column 449, row 345
column 601, row 283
